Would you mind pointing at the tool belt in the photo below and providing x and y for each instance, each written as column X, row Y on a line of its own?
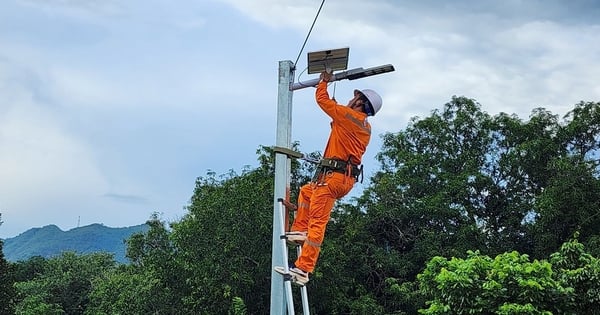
column 341, row 166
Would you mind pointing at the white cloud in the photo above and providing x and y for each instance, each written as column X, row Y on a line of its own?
column 113, row 106
column 41, row 163
column 511, row 58
column 277, row 14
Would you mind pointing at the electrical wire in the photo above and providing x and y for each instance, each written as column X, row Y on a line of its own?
column 300, row 74
column 309, row 31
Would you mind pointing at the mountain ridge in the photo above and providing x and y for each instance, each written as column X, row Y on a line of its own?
column 49, row 241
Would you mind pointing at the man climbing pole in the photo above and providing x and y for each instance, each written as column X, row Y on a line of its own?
column 339, row 169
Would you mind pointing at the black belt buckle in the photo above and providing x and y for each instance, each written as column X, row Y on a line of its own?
column 333, row 164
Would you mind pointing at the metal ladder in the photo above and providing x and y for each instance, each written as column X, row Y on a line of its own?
column 287, row 278
column 284, row 207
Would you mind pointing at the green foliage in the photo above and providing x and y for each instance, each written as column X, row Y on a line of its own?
column 446, row 181
column 579, row 270
column 442, row 190
column 507, row 284
column 7, row 291
column 238, row 307
column 225, row 241
column 569, row 283
column 129, row 291
column 36, row 300
column 459, row 183
column 518, row 309
column 581, row 133
column 570, row 200
column 154, row 283
column 29, row 269
column 462, row 180
column 347, row 247
column 569, row 203
column 64, row 284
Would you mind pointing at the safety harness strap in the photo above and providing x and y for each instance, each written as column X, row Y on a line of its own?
column 341, row 166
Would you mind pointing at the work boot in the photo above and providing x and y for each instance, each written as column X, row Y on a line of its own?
column 298, row 276
column 296, row 237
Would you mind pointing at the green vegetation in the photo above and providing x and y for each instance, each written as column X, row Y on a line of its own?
column 468, row 214
column 64, row 284
column 7, row 291
column 513, row 284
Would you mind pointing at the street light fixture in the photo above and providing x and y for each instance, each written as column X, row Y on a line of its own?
column 352, row 74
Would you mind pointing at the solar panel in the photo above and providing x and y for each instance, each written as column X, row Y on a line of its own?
column 331, row 59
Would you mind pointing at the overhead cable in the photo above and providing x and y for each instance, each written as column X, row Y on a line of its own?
column 309, row 31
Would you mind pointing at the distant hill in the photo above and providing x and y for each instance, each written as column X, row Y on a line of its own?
column 50, row 241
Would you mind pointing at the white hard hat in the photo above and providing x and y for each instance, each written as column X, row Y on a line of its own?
column 374, row 99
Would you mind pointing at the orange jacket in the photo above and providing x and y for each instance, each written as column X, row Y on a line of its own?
column 350, row 130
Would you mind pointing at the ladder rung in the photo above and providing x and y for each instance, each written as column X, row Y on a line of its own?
column 288, row 204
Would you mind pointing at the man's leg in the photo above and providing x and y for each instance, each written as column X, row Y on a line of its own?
column 301, row 218
column 322, row 201
column 320, row 211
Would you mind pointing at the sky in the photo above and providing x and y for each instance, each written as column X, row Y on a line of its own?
column 110, row 109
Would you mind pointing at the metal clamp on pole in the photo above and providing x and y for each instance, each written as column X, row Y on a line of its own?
column 289, row 152
column 294, row 154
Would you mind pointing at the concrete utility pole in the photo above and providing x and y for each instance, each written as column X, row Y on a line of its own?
column 286, row 86
column 282, row 180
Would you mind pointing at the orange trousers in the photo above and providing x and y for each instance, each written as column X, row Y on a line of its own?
column 315, row 202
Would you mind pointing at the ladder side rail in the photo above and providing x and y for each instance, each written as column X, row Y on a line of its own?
column 303, row 291
column 286, row 278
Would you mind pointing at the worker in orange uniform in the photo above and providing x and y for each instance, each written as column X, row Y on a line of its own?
column 339, row 169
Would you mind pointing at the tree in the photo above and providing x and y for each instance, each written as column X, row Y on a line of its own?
column 225, row 242
column 35, row 300
column 154, row 282
column 7, row 291
column 581, row 135
column 462, row 180
column 444, row 187
column 215, row 260
column 578, row 269
column 64, row 285
column 443, row 182
column 567, row 283
column 507, row 284
column 460, row 184
column 346, row 281
column 26, row 270
column 129, row 290
column 570, row 200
